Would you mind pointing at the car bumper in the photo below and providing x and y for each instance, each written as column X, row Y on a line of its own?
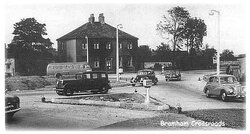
column 236, row 96
column 58, row 89
column 12, row 111
column 172, row 78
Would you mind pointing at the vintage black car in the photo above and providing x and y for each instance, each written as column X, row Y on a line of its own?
column 142, row 75
column 172, row 74
column 94, row 81
column 12, row 105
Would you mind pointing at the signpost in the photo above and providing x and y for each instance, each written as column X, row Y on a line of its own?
column 147, row 84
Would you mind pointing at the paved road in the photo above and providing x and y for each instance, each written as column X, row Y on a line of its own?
column 188, row 93
column 36, row 115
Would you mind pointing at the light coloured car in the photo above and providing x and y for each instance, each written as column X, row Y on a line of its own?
column 224, row 86
column 172, row 75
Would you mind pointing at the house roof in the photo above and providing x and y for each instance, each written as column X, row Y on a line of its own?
column 96, row 30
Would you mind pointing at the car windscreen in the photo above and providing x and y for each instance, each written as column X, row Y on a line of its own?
column 171, row 71
column 227, row 80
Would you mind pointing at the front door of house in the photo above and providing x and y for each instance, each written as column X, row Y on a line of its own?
column 109, row 63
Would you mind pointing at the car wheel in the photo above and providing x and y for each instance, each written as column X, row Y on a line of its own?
column 104, row 90
column 207, row 94
column 67, row 92
column 224, row 96
column 133, row 85
column 59, row 93
column 94, row 92
column 167, row 79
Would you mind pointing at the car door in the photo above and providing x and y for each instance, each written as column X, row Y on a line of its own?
column 86, row 81
column 78, row 82
column 208, row 85
column 214, row 86
column 95, row 83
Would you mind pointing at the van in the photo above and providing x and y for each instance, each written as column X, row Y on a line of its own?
column 67, row 68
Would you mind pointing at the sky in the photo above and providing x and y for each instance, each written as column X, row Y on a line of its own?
column 138, row 19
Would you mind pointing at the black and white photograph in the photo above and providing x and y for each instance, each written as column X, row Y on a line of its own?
column 124, row 66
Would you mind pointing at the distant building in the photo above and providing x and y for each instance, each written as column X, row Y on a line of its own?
column 99, row 39
column 10, row 67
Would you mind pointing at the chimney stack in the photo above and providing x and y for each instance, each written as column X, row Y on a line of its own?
column 101, row 18
column 91, row 18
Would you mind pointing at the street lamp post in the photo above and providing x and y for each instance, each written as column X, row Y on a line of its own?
column 87, row 40
column 218, row 50
column 117, row 52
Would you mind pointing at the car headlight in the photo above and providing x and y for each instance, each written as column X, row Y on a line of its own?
column 243, row 88
column 231, row 90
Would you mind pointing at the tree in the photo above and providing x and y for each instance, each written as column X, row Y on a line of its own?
column 227, row 55
column 209, row 52
column 194, row 31
column 144, row 53
column 173, row 24
column 29, row 47
column 162, row 52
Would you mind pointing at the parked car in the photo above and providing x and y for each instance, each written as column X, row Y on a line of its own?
column 172, row 75
column 94, row 81
column 142, row 75
column 12, row 105
column 224, row 86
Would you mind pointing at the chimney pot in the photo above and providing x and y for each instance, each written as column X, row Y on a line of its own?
column 101, row 18
column 92, row 18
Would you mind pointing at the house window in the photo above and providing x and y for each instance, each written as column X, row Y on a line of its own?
column 62, row 46
column 120, row 45
column 130, row 62
column 96, row 46
column 96, row 63
column 130, row 46
column 108, row 46
column 109, row 63
column 84, row 46
column 120, row 62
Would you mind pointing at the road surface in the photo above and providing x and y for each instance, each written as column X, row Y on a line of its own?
column 187, row 93
column 36, row 115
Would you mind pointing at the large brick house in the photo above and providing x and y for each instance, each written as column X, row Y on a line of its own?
column 99, row 39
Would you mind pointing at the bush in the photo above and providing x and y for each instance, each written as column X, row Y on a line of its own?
column 26, row 82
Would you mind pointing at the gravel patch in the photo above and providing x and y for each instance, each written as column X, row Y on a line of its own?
column 233, row 118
